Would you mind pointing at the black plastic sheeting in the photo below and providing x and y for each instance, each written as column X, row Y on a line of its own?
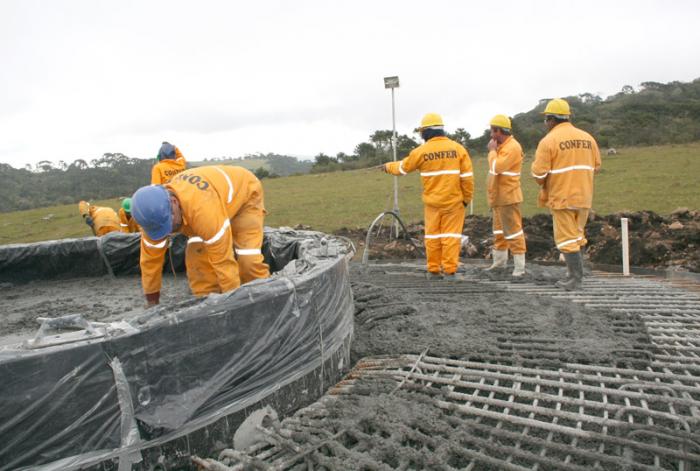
column 171, row 370
column 115, row 253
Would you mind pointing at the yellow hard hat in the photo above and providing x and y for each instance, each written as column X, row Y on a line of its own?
column 500, row 121
column 557, row 107
column 430, row 120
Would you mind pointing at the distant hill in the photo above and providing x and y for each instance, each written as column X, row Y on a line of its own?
column 110, row 176
column 655, row 114
column 275, row 164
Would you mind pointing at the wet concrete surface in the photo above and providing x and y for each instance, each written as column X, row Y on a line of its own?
column 101, row 299
column 399, row 311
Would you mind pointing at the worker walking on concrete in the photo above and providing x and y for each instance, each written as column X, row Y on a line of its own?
column 565, row 162
column 101, row 219
column 127, row 223
column 170, row 163
column 448, row 184
column 220, row 208
column 504, row 195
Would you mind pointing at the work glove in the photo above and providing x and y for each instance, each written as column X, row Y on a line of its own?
column 89, row 221
column 153, row 298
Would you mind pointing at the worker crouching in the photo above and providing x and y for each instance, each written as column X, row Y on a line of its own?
column 221, row 209
column 505, row 195
column 101, row 219
column 448, row 184
column 565, row 162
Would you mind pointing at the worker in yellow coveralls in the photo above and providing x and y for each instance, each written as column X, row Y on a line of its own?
column 170, row 163
column 565, row 162
column 505, row 195
column 127, row 223
column 101, row 219
column 448, row 184
column 221, row 209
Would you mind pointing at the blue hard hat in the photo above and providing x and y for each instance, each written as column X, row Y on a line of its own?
column 166, row 150
column 150, row 206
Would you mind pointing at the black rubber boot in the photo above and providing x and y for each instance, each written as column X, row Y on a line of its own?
column 575, row 280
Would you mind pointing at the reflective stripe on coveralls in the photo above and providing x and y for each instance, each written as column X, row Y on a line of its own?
column 440, row 236
column 567, row 242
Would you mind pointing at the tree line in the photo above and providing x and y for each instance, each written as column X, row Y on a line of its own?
column 653, row 114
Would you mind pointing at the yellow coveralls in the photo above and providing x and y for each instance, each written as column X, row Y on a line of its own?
column 166, row 169
column 104, row 219
column 448, row 184
column 127, row 223
column 504, row 196
column 222, row 209
column 565, row 161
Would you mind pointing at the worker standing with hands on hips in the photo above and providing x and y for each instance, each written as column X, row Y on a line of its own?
column 221, row 209
column 448, row 184
column 565, row 162
column 127, row 223
column 504, row 195
column 170, row 163
column 101, row 219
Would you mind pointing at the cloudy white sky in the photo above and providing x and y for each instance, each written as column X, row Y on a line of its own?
column 81, row 78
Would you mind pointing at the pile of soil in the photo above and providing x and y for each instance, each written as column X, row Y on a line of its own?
column 101, row 299
column 399, row 313
column 656, row 241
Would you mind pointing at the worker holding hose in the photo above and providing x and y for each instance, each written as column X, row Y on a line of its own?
column 448, row 184
column 221, row 210
column 565, row 162
column 504, row 195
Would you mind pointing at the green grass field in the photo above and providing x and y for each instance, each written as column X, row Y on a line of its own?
column 659, row 178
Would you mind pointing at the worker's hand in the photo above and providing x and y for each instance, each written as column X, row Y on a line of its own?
column 383, row 168
column 89, row 221
column 492, row 145
column 153, row 298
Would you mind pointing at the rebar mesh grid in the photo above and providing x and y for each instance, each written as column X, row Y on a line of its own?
column 499, row 415
column 495, row 416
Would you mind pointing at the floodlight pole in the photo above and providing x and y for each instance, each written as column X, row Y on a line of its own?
column 393, row 82
column 393, row 145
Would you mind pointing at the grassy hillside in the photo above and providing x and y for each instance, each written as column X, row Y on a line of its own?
column 659, row 178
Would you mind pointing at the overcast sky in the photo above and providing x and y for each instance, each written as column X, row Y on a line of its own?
column 81, row 78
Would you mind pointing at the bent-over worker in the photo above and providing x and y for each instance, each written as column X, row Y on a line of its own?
column 101, row 219
column 448, row 184
column 565, row 162
column 221, row 209
column 170, row 163
column 505, row 195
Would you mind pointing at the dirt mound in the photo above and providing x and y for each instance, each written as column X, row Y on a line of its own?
column 656, row 241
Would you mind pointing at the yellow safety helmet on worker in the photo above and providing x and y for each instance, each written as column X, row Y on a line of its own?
column 501, row 121
column 557, row 108
column 431, row 120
